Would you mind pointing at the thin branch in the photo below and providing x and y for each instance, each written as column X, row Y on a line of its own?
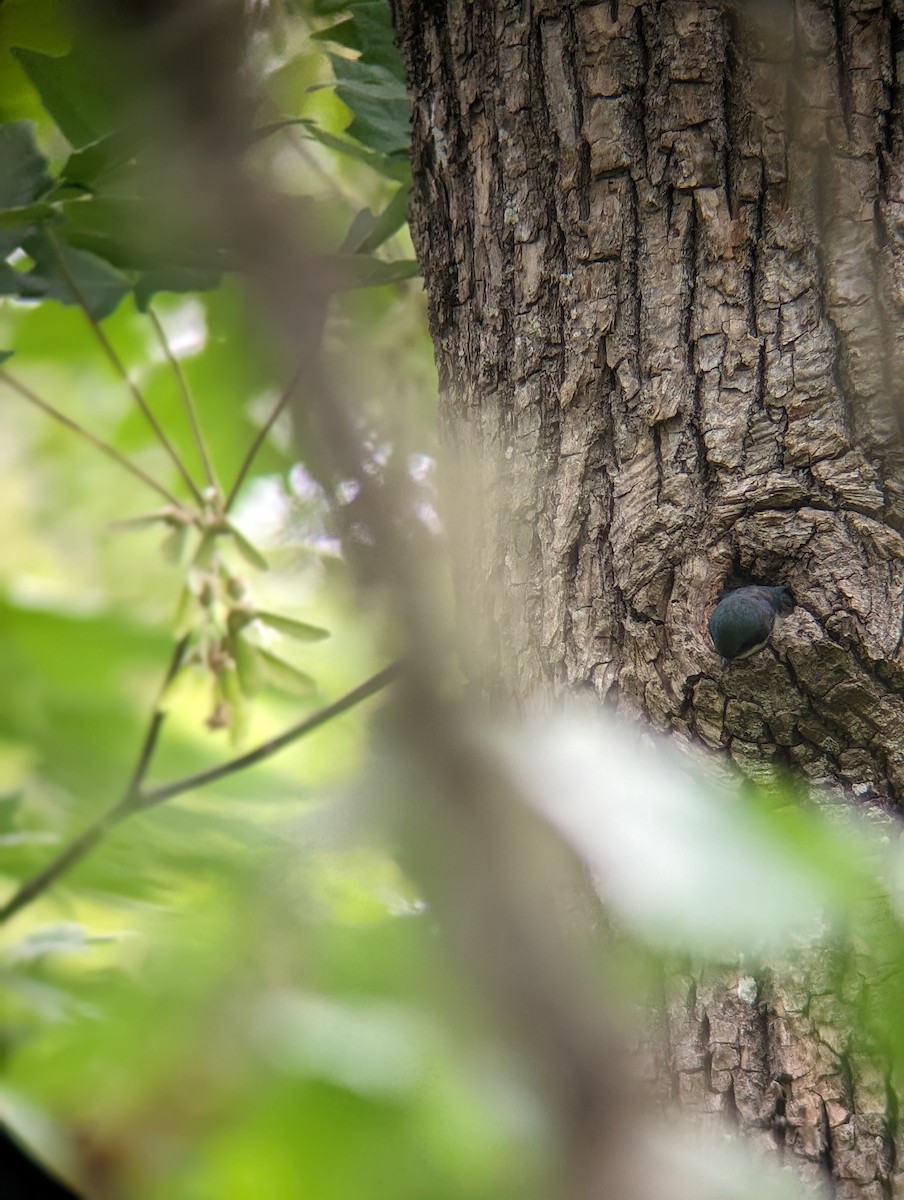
column 101, row 827
column 260, row 438
column 187, row 400
column 134, row 800
column 149, row 745
column 119, row 366
column 74, row 853
column 363, row 691
column 46, row 407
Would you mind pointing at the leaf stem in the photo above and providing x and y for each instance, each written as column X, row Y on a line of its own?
column 46, row 407
column 260, row 438
column 119, row 366
column 187, row 400
column 134, row 800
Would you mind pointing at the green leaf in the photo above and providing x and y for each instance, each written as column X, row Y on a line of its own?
column 73, row 699
column 361, row 228
column 186, row 614
column 6, row 354
column 360, row 271
column 368, row 29
column 173, row 278
column 393, row 167
column 345, row 33
column 247, row 549
column 369, row 231
column 75, row 90
column 233, row 694
column 28, row 214
column 110, row 227
column 24, row 173
column 284, row 675
column 249, row 665
column 378, row 99
column 300, row 630
column 85, row 167
column 122, row 231
column 389, row 222
column 327, row 8
column 101, row 285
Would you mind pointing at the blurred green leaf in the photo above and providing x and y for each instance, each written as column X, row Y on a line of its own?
column 247, row 549
column 300, row 630
column 173, row 278
column 392, row 166
column 368, row 30
column 101, row 285
column 350, row 271
column 30, row 214
column 285, row 675
column 249, row 665
column 73, row 674
column 369, row 231
column 24, row 171
column 76, row 90
column 86, row 168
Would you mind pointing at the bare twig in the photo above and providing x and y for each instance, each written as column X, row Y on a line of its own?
column 260, row 438
column 119, row 366
column 46, row 407
column 187, row 400
column 134, row 800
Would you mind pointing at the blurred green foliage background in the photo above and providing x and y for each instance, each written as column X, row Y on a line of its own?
column 156, row 1001
column 241, row 993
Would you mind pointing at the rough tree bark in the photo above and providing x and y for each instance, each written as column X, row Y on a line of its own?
column 663, row 242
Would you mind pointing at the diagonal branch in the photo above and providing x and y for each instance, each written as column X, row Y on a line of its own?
column 110, row 451
column 134, row 800
column 119, row 366
column 260, row 438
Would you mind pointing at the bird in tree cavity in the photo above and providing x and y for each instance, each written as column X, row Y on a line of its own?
column 743, row 618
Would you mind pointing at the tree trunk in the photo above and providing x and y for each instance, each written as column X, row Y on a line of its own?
column 663, row 243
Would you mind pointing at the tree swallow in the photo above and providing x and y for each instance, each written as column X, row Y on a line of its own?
column 742, row 620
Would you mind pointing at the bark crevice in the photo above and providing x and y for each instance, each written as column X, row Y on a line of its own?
column 663, row 245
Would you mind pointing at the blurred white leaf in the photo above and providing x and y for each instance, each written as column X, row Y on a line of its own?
column 370, row 1047
column 689, row 1164
column 66, row 937
column 680, row 860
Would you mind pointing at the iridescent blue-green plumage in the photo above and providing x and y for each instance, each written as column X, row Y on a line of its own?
column 742, row 620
